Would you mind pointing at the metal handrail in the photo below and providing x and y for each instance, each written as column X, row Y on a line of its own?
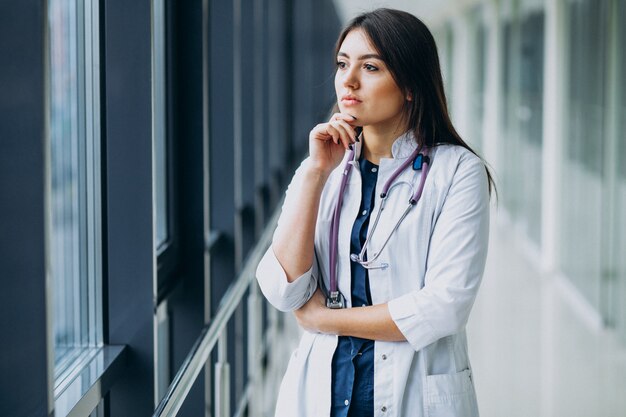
column 210, row 334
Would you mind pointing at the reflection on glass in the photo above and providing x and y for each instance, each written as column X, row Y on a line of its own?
column 74, row 178
column 585, row 136
column 477, row 84
column 620, row 200
column 159, row 120
column 522, row 121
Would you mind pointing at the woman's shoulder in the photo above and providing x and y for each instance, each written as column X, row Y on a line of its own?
column 455, row 154
column 451, row 161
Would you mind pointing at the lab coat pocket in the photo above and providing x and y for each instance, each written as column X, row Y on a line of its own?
column 450, row 395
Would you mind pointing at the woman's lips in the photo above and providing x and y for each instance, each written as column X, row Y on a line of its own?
column 349, row 101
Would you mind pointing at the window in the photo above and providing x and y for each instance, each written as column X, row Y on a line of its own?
column 620, row 184
column 477, row 74
column 448, row 63
column 584, row 192
column 522, row 120
column 164, row 245
column 159, row 125
column 74, row 182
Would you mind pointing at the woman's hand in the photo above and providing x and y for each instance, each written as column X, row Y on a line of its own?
column 329, row 141
column 311, row 315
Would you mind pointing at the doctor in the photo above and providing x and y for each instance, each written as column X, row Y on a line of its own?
column 406, row 276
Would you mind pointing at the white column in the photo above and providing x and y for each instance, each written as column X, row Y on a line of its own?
column 491, row 125
column 612, row 189
column 460, row 74
column 555, row 72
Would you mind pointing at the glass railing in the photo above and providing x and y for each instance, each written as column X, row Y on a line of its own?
column 215, row 336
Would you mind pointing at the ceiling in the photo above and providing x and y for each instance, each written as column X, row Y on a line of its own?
column 427, row 10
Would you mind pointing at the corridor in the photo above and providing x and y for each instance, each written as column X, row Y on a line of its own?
column 535, row 351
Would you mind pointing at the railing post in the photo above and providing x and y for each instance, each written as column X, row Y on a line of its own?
column 254, row 349
column 222, row 377
column 274, row 351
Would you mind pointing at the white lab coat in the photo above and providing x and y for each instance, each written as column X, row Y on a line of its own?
column 436, row 261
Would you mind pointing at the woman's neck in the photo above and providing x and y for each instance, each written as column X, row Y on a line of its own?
column 377, row 143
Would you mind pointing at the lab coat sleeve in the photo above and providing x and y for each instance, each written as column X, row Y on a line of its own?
column 272, row 279
column 455, row 262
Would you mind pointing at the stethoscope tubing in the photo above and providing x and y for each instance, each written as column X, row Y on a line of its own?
column 389, row 184
column 334, row 228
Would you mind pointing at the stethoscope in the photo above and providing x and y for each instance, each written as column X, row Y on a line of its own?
column 420, row 160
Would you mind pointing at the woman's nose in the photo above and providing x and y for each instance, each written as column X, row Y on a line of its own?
column 351, row 78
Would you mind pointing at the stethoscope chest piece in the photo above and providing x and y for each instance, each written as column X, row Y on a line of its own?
column 335, row 300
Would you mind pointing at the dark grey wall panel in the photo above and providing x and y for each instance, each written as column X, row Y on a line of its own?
column 129, row 248
column 315, row 27
column 24, row 382
column 187, row 303
column 221, row 147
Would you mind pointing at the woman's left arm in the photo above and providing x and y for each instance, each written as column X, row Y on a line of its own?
column 370, row 322
column 456, row 260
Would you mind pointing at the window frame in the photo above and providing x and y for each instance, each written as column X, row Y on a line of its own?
column 168, row 252
column 87, row 331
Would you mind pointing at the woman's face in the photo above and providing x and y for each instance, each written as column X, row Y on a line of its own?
column 364, row 86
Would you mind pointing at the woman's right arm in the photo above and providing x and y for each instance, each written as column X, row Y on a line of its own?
column 293, row 244
column 294, row 237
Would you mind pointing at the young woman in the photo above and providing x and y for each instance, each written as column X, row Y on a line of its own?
column 382, row 240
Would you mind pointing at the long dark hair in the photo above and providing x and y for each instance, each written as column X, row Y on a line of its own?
column 408, row 49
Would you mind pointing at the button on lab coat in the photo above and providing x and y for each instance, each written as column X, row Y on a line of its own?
column 436, row 260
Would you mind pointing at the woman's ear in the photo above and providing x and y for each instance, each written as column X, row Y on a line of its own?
column 409, row 97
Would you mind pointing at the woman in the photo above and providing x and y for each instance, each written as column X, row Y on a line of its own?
column 383, row 297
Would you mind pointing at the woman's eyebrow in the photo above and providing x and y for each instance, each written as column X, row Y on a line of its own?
column 362, row 57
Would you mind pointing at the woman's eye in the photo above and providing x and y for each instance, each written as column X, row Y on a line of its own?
column 341, row 64
column 370, row 67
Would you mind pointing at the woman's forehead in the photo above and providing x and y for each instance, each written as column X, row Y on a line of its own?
column 357, row 43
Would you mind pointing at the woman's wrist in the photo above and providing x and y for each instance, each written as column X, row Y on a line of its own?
column 316, row 173
column 325, row 321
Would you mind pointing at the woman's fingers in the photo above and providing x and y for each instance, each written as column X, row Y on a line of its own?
column 346, row 122
column 338, row 134
column 343, row 116
column 338, row 129
column 341, row 130
column 349, row 129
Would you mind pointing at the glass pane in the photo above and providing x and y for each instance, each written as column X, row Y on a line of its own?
column 530, row 115
column 522, row 121
column 477, row 84
column 74, row 179
column 620, row 200
column 159, row 120
column 507, row 172
column 582, row 196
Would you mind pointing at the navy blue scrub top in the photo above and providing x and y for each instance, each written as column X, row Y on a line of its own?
column 353, row 362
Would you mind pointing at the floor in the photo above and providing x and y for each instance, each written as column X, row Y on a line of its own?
column 536, row 351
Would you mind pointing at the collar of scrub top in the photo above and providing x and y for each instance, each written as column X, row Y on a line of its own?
column 420, row 160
